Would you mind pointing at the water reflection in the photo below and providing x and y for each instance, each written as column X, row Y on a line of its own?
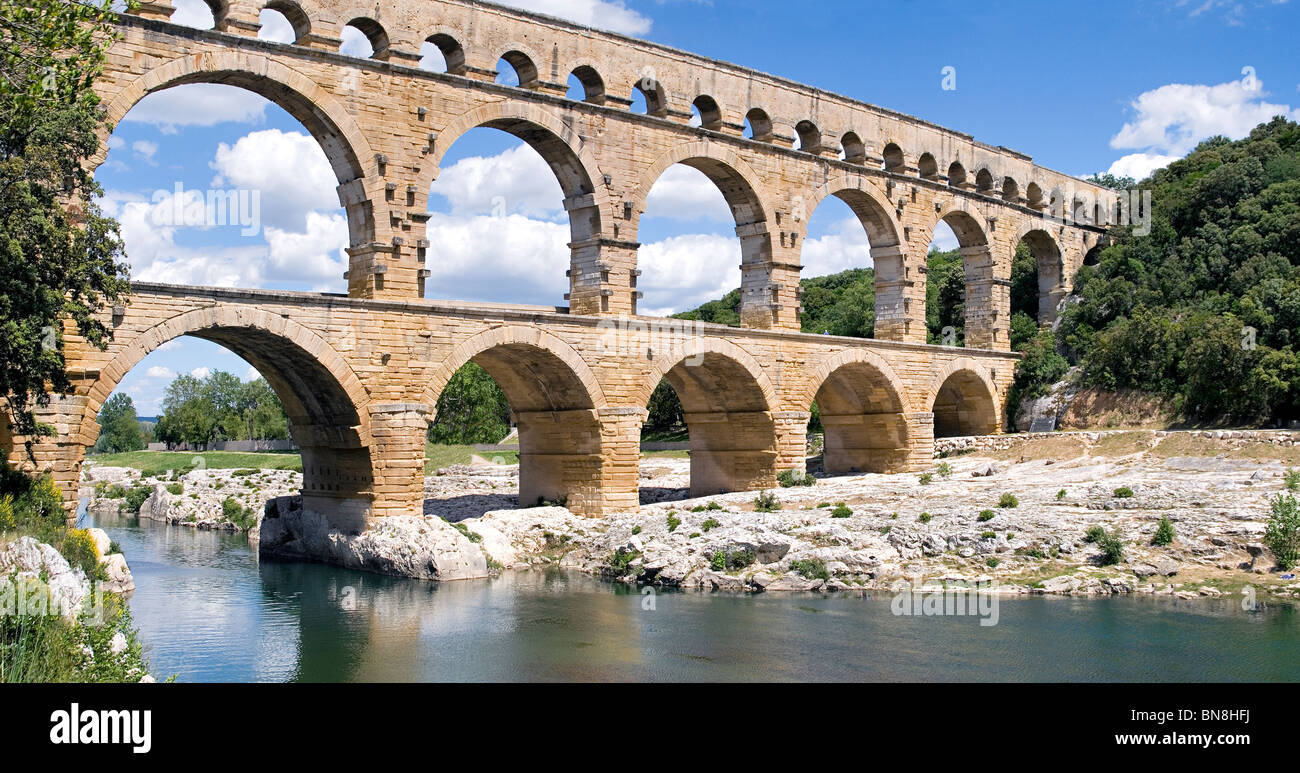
column 209, row 611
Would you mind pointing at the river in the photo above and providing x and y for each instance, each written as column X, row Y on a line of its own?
column 209, row 611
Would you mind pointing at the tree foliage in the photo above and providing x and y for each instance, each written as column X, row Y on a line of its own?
column 471, row 409
column 60, row 257
column 119, row 427
column 198, row 411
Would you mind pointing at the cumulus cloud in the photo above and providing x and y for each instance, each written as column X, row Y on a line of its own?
column 1140, row 165
column 316, row 255
column 517, row 181
column 843, row 247
column 193, row 13
column 684, row 193
column 355, row 43
column 610, row 15
column 159, row 372
column 198, row 104
column 201, row 372
column 290, row 170
column 145, row 149
column 275, row 27
column 508, row 259
column 681, row 272
column 1174, row 117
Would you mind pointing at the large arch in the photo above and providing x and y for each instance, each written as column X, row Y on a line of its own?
column 861, row 403
column 327, row 405
column 555, row 398
column 987, row 304
column 727, row 401
column 1050, row 268
column 964, row 400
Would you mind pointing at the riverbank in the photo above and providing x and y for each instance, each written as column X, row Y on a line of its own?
column 871, row 532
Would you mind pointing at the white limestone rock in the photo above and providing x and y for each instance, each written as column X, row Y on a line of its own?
column 28, row 558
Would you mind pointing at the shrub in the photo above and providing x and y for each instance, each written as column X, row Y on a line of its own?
column 993, row 563
column 985, row 515
column 841, row 511
column 469, row 535
column 1112, row 548
column 1008, row 500
column 235, row 512
column 1093, row 534
column 78, row 547
column 766, row 502
column 823, row 504
column 924, row 517
column 1292, row 479
column 1060, row 495
column 810, row 569
column 789, row 478
column 673, row 522
column 1282, row 534
column 718, row 561
column 988, row 535
column 636, row 530
column 886, row 529
column 1164, row 533
column 925, row 478
column 619, row 561
column 135, row 497
column 176, row 488
column 709, row 524
column 944, row 470
column 1033, row 551
column 1123, row 492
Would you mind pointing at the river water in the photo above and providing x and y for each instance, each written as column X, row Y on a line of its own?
column 209, row 611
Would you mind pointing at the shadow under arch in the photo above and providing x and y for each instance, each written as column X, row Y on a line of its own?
column 727, row 402
column 860, row 400
column 1049, row 266
column 964, row 401
column 325, row 401
column 555, row 398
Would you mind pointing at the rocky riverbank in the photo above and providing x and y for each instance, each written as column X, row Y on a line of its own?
column 230, row 500
column 1015, row 517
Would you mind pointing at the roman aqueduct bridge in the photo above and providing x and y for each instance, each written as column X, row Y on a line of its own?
column 360, row 374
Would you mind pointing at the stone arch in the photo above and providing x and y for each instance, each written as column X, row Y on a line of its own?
column 1010, row 189
column 927, row 168
column 446, row 41
column 874, row 211
column 327, row 405
column 964, row 400
column 862, row 407
column 956, row 174
column 760, row 124
column 984, row 180
column 558, row 143
column 855, row 150
column 1050, row 266
column 987, row 294
column 810, row 137
column 737, row 181
column 524, row 62
column 555, row 399
column 316, row 109
column 727, row 401
column 1034, row 195
column 295, row 14
column 374, row 32
column 892, row 159
column 593, row 85
column 656, row 96
column 710, row 112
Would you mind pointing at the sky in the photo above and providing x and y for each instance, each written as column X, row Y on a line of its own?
column 1109, row 86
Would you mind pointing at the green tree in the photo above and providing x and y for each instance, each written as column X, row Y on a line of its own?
column 119, row 427
column 60, row 257
column 471, row 409
column 665, row 409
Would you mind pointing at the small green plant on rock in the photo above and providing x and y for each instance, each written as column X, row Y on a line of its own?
column 925, row 478
column 841, row 511
column 620, row 560
column 766, row 502
column 1008, row 500
column 943, row 470
column 924, row 517
column 709, row 524
column 1164, row 533
column 1094, row 533
column 1291, row 479
column 176, row 489
column 1112, row 548
column 993, row 562
column 810, row 569
column 1060, row 495
column 789, row 478
column 985, row 515
column 1123, row 492
column 1282, row 534
column 673, row 522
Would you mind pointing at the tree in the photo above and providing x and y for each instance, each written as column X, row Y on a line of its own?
column 471, row 409
column 60, row 257
column 220, row 407
column 664, row 409
column 119, row 427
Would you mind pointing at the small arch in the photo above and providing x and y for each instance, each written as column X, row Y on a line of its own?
column 860, row 402
column 810, row 137
column 653, row 95
column 984, row 180
column 927, row 168
column 374, row 34
column 964, row 401
column 1010, row 189
column 453, row 54
column 288, row 12
column 758, row 125
column 523, row 67
column 1034, row 196
column 893, row 158
column 593, row 86
column 956, row 174
column 855, row 151
column 1093, row 256
column 709, row 112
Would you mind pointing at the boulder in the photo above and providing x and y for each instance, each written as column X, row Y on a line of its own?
column 103, row 543
column 28, row 558
column 119, row 574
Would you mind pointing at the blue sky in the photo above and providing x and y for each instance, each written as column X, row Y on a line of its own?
column 1124, row 87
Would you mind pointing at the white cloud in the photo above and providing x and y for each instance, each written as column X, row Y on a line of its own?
column 201, row 372
column 508, row 259
column 175, row 343
column 251, row 374
column 316, row 255
column 515, row 181
column 1174, row 118
column 193, row 13
column 198, row 104
column 845, row 246
column 944, row 239
column 685, row 193
column 681, row 272
column 145, row 148
column 159, row 372
column 431, row 58
column 290, row 170
column 355, row 43
column 610, row 15
column 1140, row 165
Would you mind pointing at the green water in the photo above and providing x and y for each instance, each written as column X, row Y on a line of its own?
column 209, row 611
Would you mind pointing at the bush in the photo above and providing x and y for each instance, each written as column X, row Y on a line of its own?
column 233, row 511
column 810, row 569
column 925, row 478
column 944, row 470
column 620, row 560
column 1060, row 495
column 732, row 561
column 673, row 522
column 709, row 524
column 176, row 488
column 766, row 502
column 1112, row 548
column 841, row 511
column 1123, row 492
column 924, row 517
column 789, row 478
column 78, row 547
column 135, row 497
column 989, row 535
column 1292, row 479
column 1008, row 500
column 1282, row 534
column 1164, row 533
column 993, row 563
column 985, row 515
column 636, row 530
column 1094, row 534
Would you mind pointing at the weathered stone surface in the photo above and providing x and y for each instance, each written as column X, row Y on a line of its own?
column 28, row 558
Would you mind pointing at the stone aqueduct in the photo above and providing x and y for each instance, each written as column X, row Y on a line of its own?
column 360, row 374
